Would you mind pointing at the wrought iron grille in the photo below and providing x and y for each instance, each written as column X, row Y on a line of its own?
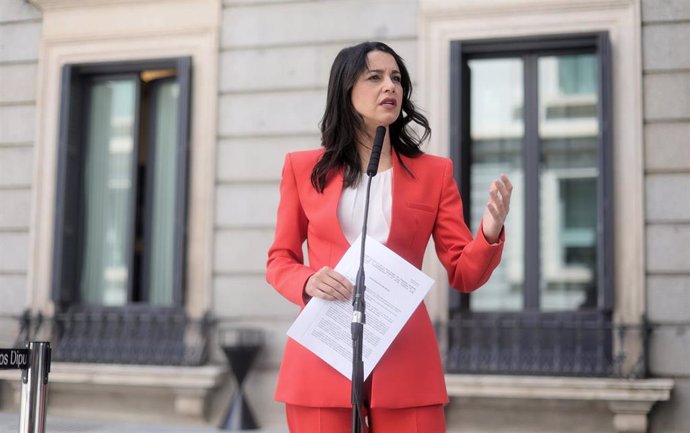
column 123, row 336
column 541, row 344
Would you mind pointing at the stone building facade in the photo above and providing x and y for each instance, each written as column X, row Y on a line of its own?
column 255, row 73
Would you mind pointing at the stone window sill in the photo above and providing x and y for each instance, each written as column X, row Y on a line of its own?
column 630, row 400
column 186, row 388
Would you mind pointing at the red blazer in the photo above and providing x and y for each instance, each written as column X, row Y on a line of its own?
column 425, row 203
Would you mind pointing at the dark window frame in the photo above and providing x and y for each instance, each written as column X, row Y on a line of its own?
column 530, row 318
column 68, row 207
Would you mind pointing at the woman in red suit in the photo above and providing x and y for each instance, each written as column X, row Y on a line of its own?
column 414, row 197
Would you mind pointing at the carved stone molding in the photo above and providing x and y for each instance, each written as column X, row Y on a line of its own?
column 100, row 31
column 64, row 4
column 629, row 400
column 501, row 7
column 181, row 393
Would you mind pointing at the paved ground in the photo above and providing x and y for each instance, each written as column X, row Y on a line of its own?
column 9, row 423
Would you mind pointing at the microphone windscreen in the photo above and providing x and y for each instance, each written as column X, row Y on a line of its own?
column 376, row 151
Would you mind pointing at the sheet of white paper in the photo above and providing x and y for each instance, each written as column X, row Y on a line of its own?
column 394, row 289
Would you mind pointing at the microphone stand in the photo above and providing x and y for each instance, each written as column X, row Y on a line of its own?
column 358, row 305
column 357, row 330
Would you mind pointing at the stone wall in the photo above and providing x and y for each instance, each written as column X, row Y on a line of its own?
column 20, row 32
column 666, row 72
column 275, row 59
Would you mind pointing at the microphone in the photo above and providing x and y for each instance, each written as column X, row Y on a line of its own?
column 376, row 151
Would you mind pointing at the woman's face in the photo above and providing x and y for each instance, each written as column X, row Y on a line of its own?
column 377, row 93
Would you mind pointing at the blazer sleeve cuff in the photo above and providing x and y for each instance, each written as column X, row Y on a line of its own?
column 298, row 295
column 485, row 243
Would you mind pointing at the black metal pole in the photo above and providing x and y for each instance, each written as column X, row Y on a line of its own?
column 358, row 307
column 357, row 329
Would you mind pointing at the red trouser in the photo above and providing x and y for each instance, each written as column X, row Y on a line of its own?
column 423, row 419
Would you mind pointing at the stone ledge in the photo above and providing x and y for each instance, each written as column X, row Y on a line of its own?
column 562, row 388
column 206, row 376
column 63, row 4
column 181, row 392
column 629, row 400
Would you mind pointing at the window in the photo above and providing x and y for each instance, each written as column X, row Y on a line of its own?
column 121, row 198
column 538, row 110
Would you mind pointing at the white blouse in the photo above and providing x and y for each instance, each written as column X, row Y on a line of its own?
column 351, row 207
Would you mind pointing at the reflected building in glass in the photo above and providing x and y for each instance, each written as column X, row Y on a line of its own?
column 568, row 136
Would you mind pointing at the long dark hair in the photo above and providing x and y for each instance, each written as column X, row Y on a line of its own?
column 341, row 125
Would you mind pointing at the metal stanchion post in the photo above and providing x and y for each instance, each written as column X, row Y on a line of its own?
column 32, row 418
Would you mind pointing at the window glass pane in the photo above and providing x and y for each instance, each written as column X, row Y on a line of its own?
column 496, row 124
column 577, row 74
column 162, row 253
column 108, row 192
column 568, row 132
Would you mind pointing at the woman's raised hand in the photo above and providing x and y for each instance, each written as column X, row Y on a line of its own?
column 497, row 208
column 329, row 285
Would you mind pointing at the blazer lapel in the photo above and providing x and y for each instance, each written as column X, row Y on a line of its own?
column 403, row 222
column 400, row 237
column 331, row 199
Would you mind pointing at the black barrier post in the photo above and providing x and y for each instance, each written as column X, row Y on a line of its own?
column 34, row 361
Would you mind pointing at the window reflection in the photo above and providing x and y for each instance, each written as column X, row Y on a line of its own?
column 130, row 190
column 568, row 138
column 497, row 128
column 568, row 132
column 108, row 192
column 162, row 237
